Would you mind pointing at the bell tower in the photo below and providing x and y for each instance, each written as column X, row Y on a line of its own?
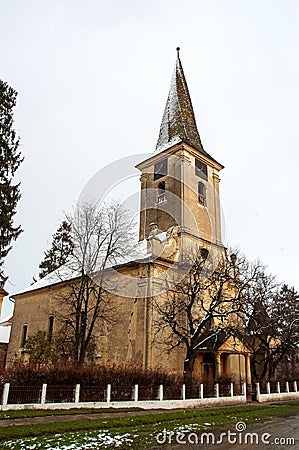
column 180, row 181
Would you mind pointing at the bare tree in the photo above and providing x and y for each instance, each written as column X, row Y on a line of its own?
column 286, row 309
column 100, row 236
column 272, row 326
column 205, row 305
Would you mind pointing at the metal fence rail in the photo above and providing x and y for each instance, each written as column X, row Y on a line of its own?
column 60, row 394
column 172, row 392
column 93, row 393
column 24, row 394
column 147, row 393
column 122, row 393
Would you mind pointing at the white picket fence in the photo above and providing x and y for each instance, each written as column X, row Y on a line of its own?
column 270, row 395
column 160, row 402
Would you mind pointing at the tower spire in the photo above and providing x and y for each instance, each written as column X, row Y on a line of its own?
column 178, row 122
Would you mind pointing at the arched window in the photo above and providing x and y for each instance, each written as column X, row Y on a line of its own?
column 161, row 192
column 24, row 335
column 50, row 330
column 202, row 193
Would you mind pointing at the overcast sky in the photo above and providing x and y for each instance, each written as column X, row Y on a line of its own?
column 93, row 78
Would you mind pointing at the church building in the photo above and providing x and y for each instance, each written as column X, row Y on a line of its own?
column 179, row 212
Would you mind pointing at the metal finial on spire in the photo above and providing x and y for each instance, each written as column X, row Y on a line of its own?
column 178, row 50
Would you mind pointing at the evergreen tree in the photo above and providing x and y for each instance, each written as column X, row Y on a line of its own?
column 41, row 349
column 62, row 247
column 10, row 160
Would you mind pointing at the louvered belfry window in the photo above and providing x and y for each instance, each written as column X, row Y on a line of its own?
column 201, row 169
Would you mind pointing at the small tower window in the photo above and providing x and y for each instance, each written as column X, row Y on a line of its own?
column 204, row 253
column 161, row 192
column 160, row 169
column 24, row 335
column 201, row 169
column 202, row 193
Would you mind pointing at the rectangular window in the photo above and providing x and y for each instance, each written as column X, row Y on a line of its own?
column 201, row 169
column 24, row 335
column 161, row 192
column 160, row 169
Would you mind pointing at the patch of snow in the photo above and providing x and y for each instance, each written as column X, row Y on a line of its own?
column 72, row 441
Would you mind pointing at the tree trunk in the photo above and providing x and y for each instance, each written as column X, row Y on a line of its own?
column 271, row 369
column 189, row 367
column 254, row 370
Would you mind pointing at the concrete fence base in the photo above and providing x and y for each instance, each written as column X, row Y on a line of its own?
column 147, row 404
column 276, row 396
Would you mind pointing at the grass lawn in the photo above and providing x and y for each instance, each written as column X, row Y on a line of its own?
column 135, row 432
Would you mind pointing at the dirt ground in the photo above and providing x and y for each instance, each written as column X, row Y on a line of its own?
column 267, row 435
column 73, row 417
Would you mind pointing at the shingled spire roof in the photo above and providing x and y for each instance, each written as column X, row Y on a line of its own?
column 178, row 123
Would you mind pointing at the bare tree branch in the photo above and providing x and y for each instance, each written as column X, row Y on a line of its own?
column 86, row 307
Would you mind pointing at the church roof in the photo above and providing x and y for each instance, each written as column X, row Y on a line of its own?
column 5, row 329
column 68, row 271
column 178, row 122
column 223, row 340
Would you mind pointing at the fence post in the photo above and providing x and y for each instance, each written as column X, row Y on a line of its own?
column 136, row 393
column 108, row 393
column 295, row 386
column 258, row 391
column 232, row 389
column 268, row 388
column 287, row 387
column 278, row 387
column 184, row 392
column 44, row 393
column 161, row 392
column 217, row 390
column 201, row 390
column 5, row 394
column 77, row 393
column 245, row 390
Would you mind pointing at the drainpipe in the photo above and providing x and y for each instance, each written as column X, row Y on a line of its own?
column 145, row 208
column 147, row 311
